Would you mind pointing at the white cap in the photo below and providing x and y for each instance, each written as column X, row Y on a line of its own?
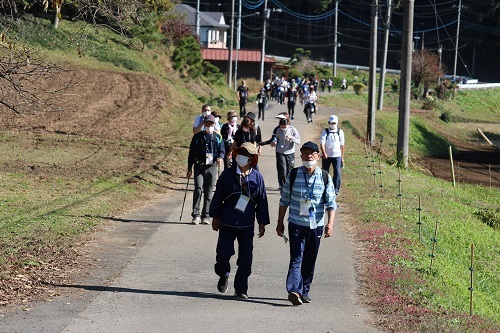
column 333, row 119
column 281, row 116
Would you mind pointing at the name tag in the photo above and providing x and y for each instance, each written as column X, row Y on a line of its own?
column 304, row 207
column 242, row 203
column 209, row 159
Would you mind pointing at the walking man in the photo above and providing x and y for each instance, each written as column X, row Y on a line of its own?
column 285, row 139
column 242, row 93
column 206, row 153
column 198, row 120
column 332, row 150
column 308, row 192
column 239, row 198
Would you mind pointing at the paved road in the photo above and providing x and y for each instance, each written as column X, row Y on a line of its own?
column 156, row 275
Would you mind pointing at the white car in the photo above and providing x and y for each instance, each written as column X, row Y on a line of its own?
column 468, row 80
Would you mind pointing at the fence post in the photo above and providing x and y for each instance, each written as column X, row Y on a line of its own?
column 419, row 223
column 434, row 241
column 380, row 173
column 471, row 288
column 451, row 163
column 399, row 194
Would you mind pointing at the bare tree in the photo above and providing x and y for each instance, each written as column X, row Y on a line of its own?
column 20, row 70
column 425, row 69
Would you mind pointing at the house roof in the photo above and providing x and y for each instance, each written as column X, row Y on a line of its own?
column 243, row 55
column 207, row 19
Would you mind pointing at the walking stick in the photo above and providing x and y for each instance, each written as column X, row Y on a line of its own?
column 184, row 201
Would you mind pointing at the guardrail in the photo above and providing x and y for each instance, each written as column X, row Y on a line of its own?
column 477, row 86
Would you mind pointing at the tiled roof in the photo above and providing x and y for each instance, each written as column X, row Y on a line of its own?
column 207, row 19
column 243, row 55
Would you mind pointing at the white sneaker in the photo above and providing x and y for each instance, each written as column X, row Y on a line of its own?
column 196, row 220
column 205, row 220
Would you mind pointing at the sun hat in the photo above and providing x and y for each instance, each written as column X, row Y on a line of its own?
column 250, row 115
column 251, row 149
column 333, row 119
column 231, row 114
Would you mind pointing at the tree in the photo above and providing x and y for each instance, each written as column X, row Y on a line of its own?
column 425, row 69
column 20, row 69
column 187, row 58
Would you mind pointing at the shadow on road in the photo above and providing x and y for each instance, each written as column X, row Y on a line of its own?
column 192, row 294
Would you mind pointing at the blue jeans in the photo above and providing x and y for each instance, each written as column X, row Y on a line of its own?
column 304, row 246
column 225, row 250
column 336, row 162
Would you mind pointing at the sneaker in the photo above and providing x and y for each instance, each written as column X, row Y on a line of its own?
column 240, row 295
column 222, row 284
column 205, row 220
column 306, row 299
column 196, row 220
column 291, row 117
column 294, row 298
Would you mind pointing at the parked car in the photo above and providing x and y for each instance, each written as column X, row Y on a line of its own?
column 467, row 80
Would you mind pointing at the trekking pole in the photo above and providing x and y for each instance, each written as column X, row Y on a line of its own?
column 184, row 201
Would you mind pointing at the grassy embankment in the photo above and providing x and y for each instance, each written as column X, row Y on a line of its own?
column 42, row 215
column 53, row 212
column 403, row 285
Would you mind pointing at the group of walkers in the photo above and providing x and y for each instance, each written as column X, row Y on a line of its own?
column 240, row 197
column 283, row 92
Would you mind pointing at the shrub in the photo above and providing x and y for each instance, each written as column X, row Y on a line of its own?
column 446, row 116
column 429, row 103
column 490, row 217
column 187, row 58
column 358, row 88
column 212, row 74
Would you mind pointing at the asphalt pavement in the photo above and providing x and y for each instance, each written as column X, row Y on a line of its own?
column 155, row 273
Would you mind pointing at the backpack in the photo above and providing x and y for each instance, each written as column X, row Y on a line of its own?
column 328, row 131
column 293, row 175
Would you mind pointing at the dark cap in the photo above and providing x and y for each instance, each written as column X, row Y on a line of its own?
column 251, row 115
column 209, row 118
column 310, row 145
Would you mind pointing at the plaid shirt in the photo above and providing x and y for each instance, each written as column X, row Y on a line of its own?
column 304, row 186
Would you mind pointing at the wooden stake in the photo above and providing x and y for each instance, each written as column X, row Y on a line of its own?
column 451, row 164
column 484, row 137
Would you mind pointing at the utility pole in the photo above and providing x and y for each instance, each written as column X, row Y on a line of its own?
column 456, row 43
column 372, row 80
column 387, row 25
column 335, row 39
column 263, row 52
column 197, row 18
column 238, row 42
column 230, row 64
column 405, row 91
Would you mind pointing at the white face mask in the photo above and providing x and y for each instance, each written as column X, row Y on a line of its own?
column 309, row 164
column 217, row 120
column 210, row 129
column 242, row 160
column 206, row 113
column 234, row 119
column 333, row 127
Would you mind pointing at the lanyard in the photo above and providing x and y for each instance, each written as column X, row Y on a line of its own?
column 310, row 190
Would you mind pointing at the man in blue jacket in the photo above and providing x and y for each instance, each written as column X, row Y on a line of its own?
column 240, row 197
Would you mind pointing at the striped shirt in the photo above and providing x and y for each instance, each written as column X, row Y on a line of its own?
column 305, row 186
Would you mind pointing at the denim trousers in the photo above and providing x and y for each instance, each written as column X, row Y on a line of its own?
column 204, row 182
column 225, row 250
column 304, row 247
column 336, row 162
column 284, row 163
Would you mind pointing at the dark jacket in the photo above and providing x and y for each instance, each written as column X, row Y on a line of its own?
column 203, row 143
column 227, row 193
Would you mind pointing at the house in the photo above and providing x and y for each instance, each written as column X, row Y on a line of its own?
column 248, row 62
column 213, row 27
